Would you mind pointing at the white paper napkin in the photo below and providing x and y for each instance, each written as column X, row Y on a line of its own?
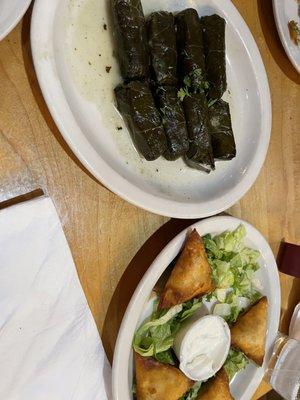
column 50, row 348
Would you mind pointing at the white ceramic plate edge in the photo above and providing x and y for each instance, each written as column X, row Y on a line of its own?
column 144, row 288
column 15, row 22
column 42, row 40
column 286, row 42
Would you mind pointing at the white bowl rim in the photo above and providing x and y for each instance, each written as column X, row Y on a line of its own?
column 41, row 37
column 286, row 42
column 157, row 267
column 14, row 22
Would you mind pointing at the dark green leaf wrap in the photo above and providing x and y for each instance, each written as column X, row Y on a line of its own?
column 163, row 51
column 221, row 130
column 190, row 48
column 131, row 38
column 214, row 45
column 200, row 153
column 173, row 121
column 136, row 104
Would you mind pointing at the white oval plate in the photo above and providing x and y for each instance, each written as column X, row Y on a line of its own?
column 245, row 382
column 71, row 50
column 11, row 12
column 285, row 11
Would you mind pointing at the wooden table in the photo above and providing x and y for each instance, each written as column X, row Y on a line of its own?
column 105, row 232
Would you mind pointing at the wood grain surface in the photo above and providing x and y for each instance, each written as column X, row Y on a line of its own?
column 105, row 232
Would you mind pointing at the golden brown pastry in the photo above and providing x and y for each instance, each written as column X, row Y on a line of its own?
column 191, row 276
column 248, row 334
column 216, row 388
column 157, row 381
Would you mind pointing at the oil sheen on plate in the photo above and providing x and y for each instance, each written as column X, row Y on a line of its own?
column 95, row 73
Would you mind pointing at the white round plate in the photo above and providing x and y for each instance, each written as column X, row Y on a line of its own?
column 246, row 382
column 285, row 11
column 11, row 12
column 73, row 54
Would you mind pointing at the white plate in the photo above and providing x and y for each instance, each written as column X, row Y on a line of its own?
column 285, row 11
column 67, row 41
column 247, row 381
column 11, row 12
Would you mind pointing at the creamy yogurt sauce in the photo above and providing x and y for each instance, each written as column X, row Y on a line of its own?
column 202, row 347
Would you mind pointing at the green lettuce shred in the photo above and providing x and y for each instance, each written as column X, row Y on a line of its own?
column 236, row 361
column 233, row 269
column 192, row 394
column 236, row 288
column 155, row 337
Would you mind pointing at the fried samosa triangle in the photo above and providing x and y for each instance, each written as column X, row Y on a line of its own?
column 248, row 334
column 191, row 277
column 216, row 388
column 157, row 381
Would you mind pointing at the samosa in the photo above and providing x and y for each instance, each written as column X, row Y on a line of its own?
column 248, row 334
column 216, row 388
column 158, row 381
column 191, row 276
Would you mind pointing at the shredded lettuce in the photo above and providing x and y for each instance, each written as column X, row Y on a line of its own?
column 192, row 394
column 236, row 361
column 236, row 288
column 231, row 241
column 155, row 337
column 233, row 270
column 165, row 357
column 133, row 389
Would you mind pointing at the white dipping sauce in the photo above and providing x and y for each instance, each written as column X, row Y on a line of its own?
column 202, row 347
